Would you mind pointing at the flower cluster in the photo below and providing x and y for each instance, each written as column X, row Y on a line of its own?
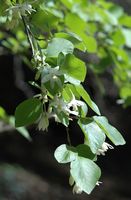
column 56, row 106
column 67, row 107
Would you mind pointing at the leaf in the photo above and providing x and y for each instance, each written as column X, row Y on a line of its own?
column 2, row 113
column 44, row 20
column 58, row 45
column 127, row 34
column 67, row 92
column 65, row 154
column 22, row 130
column 112, row 133
column 79, row 28
column 74, row 38
column 28, row 112
column 118, row 37
column 94, row 135
column 75, row 23
column 85, row 151
column 125, row 21
column 60, row 59
column 75, row 68
column 90, row 43
column 64, row 119
column 55, row 85
column 85, row 173
column 87, row 98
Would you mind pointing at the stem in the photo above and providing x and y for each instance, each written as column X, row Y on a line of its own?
column 28, row 34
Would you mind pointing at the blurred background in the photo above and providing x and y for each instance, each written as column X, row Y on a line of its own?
column 28, row 170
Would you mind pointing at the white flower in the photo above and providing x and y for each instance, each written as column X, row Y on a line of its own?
column 104, row 148
column 66, row 107
column 98, row 183
column 39, row 58
column 59, row 104
column 75, row 103
column 51, row 74
column 77, row 189
column 43, row 122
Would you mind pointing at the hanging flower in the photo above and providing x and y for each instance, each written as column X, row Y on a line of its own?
column 77, row 189
column 104, row 148
column 43, row 122
column 67, row 107
column 59, row 104
column 98, row 183
column 52, row 74
column 74, row 104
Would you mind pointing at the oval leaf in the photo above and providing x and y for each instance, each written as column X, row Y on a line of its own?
column 85, row 173
column 94, row 135
column 58, row 45
column 65, row 154
column 27, row 112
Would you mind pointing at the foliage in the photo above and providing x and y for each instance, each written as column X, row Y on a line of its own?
column 63, row 35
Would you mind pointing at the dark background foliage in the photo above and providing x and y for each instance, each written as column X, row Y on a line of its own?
column 32, row 172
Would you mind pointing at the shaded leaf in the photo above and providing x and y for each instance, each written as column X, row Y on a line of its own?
column 27, row 112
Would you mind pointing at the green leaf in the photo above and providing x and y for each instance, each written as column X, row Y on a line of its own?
column 73, row 67
column 60, row 59
column 87, row 98
column 125, row 21
column 85, row 151
column 94, row 135
column 112, row 133
column 67, row 92
column 90, row 43
column 85, row 173
column 127, row 34
column 65, row 154
column 44, row 20
column 118, row 37
column 2, row 113
column 78, row 27
column 28, row 112
column 74, row 38
column 58, row 45
column 64, row 119
column 22, row 130
column 55, row 86
column 120, row 53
